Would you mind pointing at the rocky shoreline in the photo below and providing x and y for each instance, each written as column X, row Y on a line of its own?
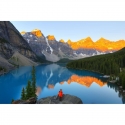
column 67, row 99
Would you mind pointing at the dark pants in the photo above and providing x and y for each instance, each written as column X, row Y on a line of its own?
column 60, row 98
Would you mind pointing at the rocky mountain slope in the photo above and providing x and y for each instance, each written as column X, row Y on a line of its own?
column 47, row 47
column 11, row 41
column 19, row 59
column 52, row 50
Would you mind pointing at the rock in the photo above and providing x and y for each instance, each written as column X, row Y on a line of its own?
column 113, row 81
column 11, row 40
column 31, row 100
column 67, row 99
column 120, row 86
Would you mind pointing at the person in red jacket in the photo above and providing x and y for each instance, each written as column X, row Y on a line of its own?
column 60, row 95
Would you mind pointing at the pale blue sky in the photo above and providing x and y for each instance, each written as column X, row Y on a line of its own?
column 76, row 30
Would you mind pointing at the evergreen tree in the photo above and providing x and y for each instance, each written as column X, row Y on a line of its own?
column 34, row 82
column 29, row 91
column 23, row 94
column 123, row 81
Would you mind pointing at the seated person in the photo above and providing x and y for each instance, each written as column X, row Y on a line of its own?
column 60, row 95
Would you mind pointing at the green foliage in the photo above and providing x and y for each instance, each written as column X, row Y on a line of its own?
column 30, row 90
column 33, row 82
column 109, row 64
column 122, row 79
column 23, row 94
column 2, row 68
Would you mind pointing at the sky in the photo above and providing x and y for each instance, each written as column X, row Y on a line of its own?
column 76, row 30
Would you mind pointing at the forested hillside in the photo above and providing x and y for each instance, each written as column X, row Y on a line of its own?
column 107, row 64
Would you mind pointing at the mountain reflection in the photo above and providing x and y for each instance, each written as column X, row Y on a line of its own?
column 38, row 90
column 51, row 77
column 85, row 80
column 50, row 86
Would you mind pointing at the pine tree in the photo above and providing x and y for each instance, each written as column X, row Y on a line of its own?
column 29, row 92
column 23, row 94
column 123, row 81
column 34, row 82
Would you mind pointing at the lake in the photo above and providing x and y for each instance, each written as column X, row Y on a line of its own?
column 90, row 87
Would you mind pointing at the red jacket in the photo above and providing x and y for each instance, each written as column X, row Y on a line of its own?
column 60, row 94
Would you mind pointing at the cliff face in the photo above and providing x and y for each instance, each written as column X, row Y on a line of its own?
column 11, row 40
column 47, row 47
column 37, row 33
column 51, row 37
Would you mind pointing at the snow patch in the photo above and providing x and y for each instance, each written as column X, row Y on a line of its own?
column 51, row 74
column 75, row 53
column 28, row 40
column 49, row 46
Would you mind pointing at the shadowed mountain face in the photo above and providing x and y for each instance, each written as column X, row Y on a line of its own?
column 14, row 49
column 12, row 40
column 47, row 47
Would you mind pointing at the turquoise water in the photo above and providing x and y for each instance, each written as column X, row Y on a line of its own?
column 90, row 87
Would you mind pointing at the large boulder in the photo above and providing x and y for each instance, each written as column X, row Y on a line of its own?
column 67, row 99
column 31, row 100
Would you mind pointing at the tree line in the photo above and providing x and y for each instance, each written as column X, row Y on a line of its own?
column 108, row 64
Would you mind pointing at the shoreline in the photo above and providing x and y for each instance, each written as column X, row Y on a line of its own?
column 85, row 70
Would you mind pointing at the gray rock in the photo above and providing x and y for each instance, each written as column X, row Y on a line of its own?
column 31, row 100
column 11, row 40
column 67, row 99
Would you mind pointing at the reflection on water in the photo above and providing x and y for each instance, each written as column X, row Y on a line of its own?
column 117, row 90
column 50, row 86
column 38, row 90
column 85, row 80
column 88, row 86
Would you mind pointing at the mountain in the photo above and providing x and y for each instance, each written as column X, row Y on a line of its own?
column 62, row 41
column 19, row 59
column 102, row 45
column 49, row 49
column 83, row 43
column 11, row 41
column 4, row 64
